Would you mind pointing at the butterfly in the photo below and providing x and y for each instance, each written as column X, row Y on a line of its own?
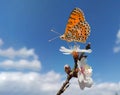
column 77, row 28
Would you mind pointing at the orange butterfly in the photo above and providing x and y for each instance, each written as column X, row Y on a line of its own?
column 77, row 28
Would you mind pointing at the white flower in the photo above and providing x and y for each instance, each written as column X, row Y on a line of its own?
column 74, row 49
column 84, row 74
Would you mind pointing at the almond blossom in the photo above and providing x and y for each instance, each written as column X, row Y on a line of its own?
column 84, row 74
column 75, row 48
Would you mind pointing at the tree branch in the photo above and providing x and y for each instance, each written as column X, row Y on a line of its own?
column 74, row 71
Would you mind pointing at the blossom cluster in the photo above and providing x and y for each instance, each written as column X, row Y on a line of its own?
column 84, row 70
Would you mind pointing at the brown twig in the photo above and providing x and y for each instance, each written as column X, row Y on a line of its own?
column 72, row 73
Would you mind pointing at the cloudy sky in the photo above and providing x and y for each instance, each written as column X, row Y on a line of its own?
column 30, row 65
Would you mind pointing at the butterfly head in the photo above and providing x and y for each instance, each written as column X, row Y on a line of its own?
column 62, row 37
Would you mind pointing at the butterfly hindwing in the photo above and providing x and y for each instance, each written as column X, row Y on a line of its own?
column 82, row 32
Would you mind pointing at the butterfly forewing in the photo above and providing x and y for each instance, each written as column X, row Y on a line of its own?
column 77, row 28
column 76, row 16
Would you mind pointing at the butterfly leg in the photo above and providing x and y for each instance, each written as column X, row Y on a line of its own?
column 69, row 45
column 76, row 44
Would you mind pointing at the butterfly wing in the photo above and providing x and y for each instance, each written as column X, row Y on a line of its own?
column 77, row 29
column 81, row 32
column 76, row 16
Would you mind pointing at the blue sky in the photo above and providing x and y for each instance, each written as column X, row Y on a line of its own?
column 26, row 24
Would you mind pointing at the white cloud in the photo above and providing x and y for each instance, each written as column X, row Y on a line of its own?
column 22, row 58
column 1, row 42
column 116, row 48
column 118, row 37
column 17, row 83
column 22, row 53
column 21, row 64
column 96, row 89
column 29, row 84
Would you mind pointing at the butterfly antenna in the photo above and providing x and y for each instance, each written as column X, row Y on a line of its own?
column 55, row 32
column 53, row 38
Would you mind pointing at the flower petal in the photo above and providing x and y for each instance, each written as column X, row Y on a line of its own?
column 84, row 50
column 88, row 82
column 80, row 77
column 82, row 62
column 65, row 50
column 82, row 85
column 66, row 53
column 84, row 81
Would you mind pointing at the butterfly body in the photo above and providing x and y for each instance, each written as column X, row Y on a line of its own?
column 77, row 28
